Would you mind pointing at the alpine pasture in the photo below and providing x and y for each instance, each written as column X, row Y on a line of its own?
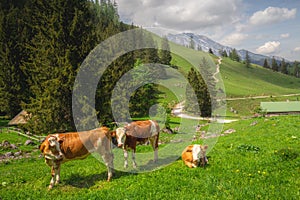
column 260, row 160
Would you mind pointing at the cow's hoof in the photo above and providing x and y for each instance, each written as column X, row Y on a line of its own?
column 50, row 187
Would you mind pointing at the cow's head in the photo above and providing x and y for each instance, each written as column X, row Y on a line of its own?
column 51, row 148
column 120, row 135
column 203, row 158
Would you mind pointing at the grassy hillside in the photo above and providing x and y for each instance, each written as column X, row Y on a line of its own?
column 259, row 161
column 255, row 81
column 240, row 81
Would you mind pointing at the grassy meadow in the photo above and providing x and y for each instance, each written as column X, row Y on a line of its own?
column 261, row 160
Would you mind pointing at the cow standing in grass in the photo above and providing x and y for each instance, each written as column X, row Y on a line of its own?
column 138, row 132
column 195, row 155
column 59, row 148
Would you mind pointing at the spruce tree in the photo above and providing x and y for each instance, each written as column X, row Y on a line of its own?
column 165, row 55
column 224, row 54
column 13, row 38
column 266, row 65
column 283, row 67
column 198, row 95
column 274, row 65
column 233, row 55
column 64, row 36
column 296, row 69
column 247, row 60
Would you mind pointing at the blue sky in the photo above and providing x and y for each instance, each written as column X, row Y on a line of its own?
column 269, row 27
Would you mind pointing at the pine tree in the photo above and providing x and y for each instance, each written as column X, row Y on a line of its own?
column 210, row 51
column 266, row 65
column 64, row 36
column 13, row 38
column 233, row 55
column 274, row 65
column 202, row 98
column 283, row 67
column 224, row 53
column 165, row 55
column 247, row 60
column 296, row 68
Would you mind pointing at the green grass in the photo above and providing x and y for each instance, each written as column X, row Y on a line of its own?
column 241, row 81
column 247, row 107
column 255, row 162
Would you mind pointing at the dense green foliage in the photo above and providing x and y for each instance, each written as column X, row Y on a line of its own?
column 197, row 96
column 258, row 161
column 43, row 44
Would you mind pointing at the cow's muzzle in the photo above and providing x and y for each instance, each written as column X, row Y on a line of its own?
column 120, row 145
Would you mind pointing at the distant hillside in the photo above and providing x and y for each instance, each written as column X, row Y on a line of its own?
column 240, row 81
column 255, row 81
column 204, row 43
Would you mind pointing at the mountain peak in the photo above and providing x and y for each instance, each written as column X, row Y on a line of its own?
column 204, row 43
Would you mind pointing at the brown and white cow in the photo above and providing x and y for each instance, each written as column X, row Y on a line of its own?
column 194, row 155
column 138, row 132
column 59, row 148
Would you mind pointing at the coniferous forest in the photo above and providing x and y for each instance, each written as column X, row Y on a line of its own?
column 43, row 44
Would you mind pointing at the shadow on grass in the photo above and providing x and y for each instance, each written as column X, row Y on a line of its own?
column 81, row 181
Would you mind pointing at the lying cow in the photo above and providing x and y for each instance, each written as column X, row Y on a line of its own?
column 59, row 148
column 138, row 132
column 195, row 155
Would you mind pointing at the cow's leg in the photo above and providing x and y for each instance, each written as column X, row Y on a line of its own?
column 133, row 159
column 53, row 179
column 125, row 158
column 154, row 144
column 57, row 173
column 108, row 159
column 189, row 164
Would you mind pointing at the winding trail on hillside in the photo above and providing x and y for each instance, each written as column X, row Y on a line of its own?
column 217, row 70
column 178, row 109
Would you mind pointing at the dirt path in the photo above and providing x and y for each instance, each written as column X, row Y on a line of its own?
column 261, row 97
column 217, row 70
column 178, row 109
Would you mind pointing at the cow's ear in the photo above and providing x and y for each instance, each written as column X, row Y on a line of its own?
column 42, row 147
column 61, row 140
column 205, row 147
column 113, row 133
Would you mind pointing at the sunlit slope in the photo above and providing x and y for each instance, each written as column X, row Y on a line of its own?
column 241, row 81
column 238, row 80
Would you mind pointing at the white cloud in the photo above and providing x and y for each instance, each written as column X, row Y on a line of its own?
column 272, row 15
column 269, row 48
column 180, row 14
column 297, row 49
column 234, row 39
column 285, row 35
